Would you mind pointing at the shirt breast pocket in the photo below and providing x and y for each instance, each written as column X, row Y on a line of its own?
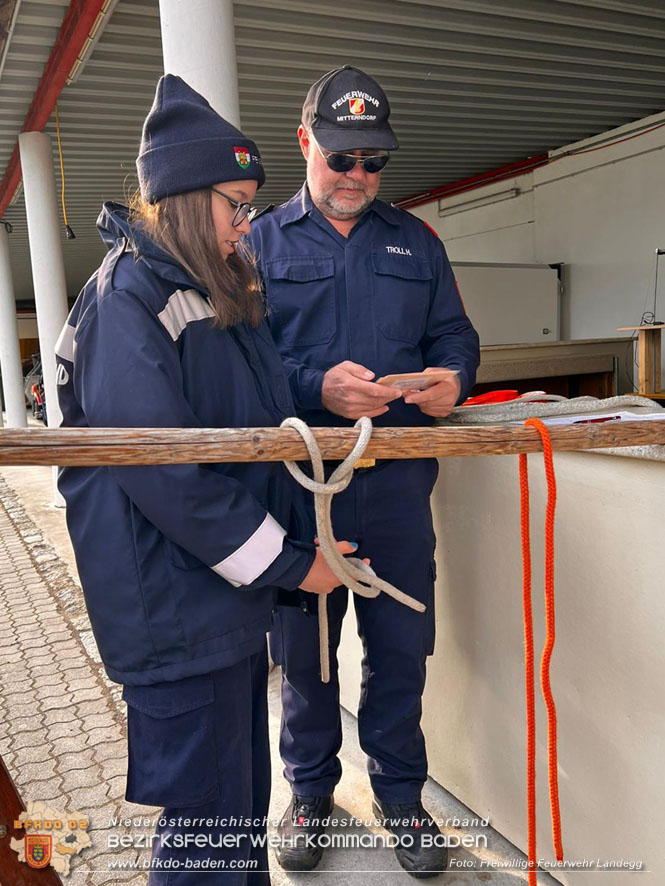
column 402, row 286
column 301, row 297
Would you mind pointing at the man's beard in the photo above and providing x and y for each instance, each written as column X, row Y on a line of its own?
column 332, row 207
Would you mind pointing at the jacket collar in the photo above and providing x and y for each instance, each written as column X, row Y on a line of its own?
column 114, row 226
column 388, row 212
column 298, row 206
column 301, row 204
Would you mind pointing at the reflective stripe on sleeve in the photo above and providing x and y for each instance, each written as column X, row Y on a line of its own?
column 254, row 556
column 64, row 347
column 183, row 308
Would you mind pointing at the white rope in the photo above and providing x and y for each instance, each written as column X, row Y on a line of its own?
column 351, row 571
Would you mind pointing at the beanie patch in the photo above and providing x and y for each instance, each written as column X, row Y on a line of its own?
column 242, row 157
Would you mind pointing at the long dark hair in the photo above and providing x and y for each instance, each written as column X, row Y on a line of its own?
column 182, row 226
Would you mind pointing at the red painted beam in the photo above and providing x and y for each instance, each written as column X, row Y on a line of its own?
column 76, row 26
column 475, row 181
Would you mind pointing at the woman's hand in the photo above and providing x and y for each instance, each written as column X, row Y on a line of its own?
column 321, row 579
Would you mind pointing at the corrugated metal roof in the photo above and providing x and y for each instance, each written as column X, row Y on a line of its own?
column 473, row 84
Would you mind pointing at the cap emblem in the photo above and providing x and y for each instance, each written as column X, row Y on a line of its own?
column 242, row 157
column 357, row 105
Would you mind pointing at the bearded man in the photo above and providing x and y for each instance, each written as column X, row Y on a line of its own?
column 358, row 289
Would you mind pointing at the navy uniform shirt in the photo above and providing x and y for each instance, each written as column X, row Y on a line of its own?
column 384, row 297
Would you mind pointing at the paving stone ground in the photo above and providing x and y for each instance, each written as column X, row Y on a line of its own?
column 62, row 722
column 62, row 730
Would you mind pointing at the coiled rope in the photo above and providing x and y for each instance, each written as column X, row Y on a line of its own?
column 351, row 571
column 546, row 656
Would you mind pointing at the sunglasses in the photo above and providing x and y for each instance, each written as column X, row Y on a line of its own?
column 340, row 162
column 242, row 210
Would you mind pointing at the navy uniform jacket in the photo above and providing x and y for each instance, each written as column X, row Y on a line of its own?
column 178, row 563
column 384, row 297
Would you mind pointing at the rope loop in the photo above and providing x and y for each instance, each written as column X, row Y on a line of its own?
column 341, row 476
column 359, row 577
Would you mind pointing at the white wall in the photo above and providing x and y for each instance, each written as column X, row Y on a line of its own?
column 601, row 213
column 501, row 232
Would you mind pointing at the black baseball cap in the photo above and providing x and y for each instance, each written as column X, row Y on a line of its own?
column 347, row 110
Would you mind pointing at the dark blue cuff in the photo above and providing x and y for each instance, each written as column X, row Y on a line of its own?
column 289, row 568
column 309, row 389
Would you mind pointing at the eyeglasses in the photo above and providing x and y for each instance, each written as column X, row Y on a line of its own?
column 340, row 162
column 242, row 210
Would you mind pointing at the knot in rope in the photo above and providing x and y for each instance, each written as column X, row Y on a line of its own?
column 351, row 571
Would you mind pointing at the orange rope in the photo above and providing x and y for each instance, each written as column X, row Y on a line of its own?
column 528, row 673
column 547, row 652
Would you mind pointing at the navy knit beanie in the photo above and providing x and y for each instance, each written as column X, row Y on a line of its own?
column 186, row 145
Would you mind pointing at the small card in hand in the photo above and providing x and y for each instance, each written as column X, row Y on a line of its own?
column 415, row 381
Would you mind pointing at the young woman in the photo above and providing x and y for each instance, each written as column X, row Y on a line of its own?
column 181, row 564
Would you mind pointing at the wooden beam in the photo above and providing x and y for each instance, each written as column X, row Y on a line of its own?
column 657, row 350
column 648, row 356
column 125, row 446
column 645, row 361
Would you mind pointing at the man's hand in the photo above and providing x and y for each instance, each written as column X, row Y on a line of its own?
column 348, row 390
column 439, row 399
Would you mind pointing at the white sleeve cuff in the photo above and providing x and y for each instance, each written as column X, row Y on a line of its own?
column 253, row 557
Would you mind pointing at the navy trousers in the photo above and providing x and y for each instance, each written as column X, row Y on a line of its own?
column 199, row 748
column 386, row 510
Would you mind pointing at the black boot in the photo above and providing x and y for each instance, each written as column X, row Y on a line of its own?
column 302, row 824
column 410, row 823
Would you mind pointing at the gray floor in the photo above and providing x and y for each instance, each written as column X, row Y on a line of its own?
column 62, row 736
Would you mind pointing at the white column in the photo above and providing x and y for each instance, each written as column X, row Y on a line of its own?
column 48, row 267
column 10, row 352
column 198, row 44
